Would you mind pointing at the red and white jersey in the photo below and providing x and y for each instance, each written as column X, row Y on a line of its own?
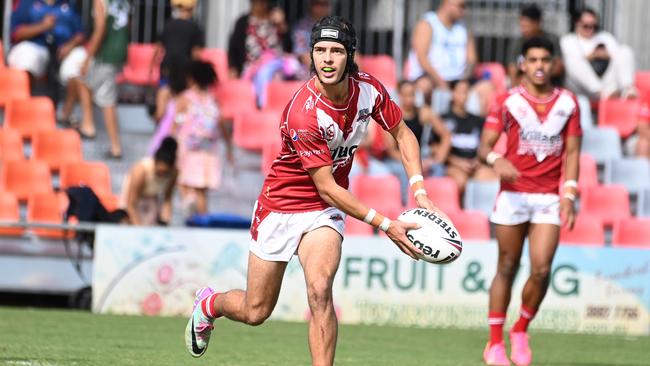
column 316, row 132
column 537, row 130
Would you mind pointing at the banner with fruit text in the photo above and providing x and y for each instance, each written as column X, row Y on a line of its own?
column 155, row 271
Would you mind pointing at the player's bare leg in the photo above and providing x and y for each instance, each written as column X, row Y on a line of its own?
column 320, row 254
column 510, row 239
column 255, row 304
column 543, row 240
column 252, row 306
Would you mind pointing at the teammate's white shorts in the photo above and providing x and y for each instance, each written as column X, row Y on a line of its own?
column 275, row 236
column 513, row 208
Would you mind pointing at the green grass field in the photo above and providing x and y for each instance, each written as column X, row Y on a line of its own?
column 54, row 337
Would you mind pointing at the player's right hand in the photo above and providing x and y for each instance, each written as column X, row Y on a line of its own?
column 505, row 170
column 49, row 21
column 397, row 233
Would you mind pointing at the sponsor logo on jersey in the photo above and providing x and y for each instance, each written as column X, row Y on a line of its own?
column 364, row 115
column 539, row 144
column 309, row 104
column 293, row 134
column 328, row 132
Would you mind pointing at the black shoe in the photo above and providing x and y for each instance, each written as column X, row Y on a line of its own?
column 110, row 156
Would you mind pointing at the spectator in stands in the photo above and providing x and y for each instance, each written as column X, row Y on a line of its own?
column 463, row 163
column 429, row 131
column 177, row 85
column 639, row 143
column 181, row 41
column 596, row 64
column 442, row 51
column 530, row 25
column 257, row 46
column 148, row 189
column 301, row 34
column 106, row 55
column 47, row 37
column 196, row 125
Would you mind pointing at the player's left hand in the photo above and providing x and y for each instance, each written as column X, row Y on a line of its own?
column 423, row 201
column 567, row 213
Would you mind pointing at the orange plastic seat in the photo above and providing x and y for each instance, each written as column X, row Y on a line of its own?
column 632, row 232
column 622, row 114
column 57, row 147
column 138, row 60
column 11, row 145
column 380, row 66
column 642, row 82
column 235, row 96
column 379, row 192
column 24, row 178
column 111, row 202
column 14, row 85
column 471, row 225
column 357, row 227
column 29, row 116
column 588, row 231
column 588, row 176
column 95, row 175
column 253, row 128
column 443, row 191
column 48, row 208
column 610, row 203
column 280, row 93
column 9, row 211
column 219, row 60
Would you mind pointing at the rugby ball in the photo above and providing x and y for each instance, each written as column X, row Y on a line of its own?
column 437, row 237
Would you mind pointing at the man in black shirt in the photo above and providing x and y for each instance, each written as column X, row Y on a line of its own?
column 181, row 41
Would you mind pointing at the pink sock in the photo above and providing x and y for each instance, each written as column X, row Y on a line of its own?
column 496, row 320
column 207, row 306
column 526, row 315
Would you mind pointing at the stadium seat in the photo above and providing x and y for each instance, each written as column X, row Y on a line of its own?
column 138, row 60
column 602, row 144
column 379, row 192
column 14, row 84
column 57, row 147
column 493, row 71
column 9, row 211
column 279, row 93
column 642, row 82
column 48, row 208
column 23, row 178
column 443, row 191
column 622, row 114
column 634, row 232
column 481, row 196
column 357, row 227
column 588, row 230
column 607, row 202
column 11, row 145
column 588, row 175
column 92, row 174
column 2, row 55
column 219, row 60
column 380, row 66
column 270, row 151
column 643, row 203
column 110, row 202
column 586, row 118
column 472, row 225
column 253, row 128
column 29, row 116
column 633, row 173
column 234, row 96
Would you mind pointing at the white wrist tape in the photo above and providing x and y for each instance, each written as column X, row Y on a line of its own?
column 385, row 224
column 571, row 183
column 416, row 178
column 570, row 196
column 371, row 215
column 419, row 192
column 492, row 156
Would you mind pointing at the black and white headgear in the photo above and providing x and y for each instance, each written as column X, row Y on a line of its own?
column 336, row 29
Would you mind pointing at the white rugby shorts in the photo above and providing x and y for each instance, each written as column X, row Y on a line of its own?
column 275, row 236
column 513, row 208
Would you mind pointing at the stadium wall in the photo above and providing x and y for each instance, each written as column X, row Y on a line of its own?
column 156, row 271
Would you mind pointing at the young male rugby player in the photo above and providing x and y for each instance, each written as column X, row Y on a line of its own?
column 543, row 128
column 304, row 198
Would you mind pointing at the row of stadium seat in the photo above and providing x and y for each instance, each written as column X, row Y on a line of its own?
column 44, row 207
column 54, row 147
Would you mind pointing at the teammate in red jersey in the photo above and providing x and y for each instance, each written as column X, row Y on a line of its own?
column 543, row 127
column 304, row 199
